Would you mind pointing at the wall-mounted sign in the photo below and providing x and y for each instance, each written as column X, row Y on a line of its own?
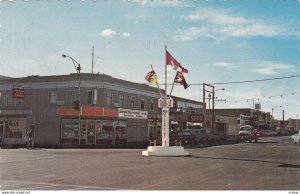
column 197, row 118
column 18, row 93
column 132, row 114
column 165, row 102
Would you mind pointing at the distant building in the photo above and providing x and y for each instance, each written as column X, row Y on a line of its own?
column 228, row 121
column 90, row 109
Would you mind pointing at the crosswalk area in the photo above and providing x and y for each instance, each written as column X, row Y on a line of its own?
column 30, row 186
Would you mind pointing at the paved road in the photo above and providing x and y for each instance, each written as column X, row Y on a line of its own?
column 271, row 164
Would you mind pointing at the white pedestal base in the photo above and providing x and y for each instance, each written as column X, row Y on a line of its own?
column 165, row 151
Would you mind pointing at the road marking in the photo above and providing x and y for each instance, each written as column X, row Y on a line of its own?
column 57, row 185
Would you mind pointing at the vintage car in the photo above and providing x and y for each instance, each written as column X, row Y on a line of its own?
column 247, row 133
column 184, row 137
column 201, row 134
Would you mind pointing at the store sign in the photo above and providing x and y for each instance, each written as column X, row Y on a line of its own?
column 257, row 106
column 165, row 102
column 197, row 118
column 18, row 93
column 115, row 124
column 132, row 114
column 244, row 117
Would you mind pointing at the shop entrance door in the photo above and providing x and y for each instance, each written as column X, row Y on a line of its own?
column 1, row 130
column 91, row 138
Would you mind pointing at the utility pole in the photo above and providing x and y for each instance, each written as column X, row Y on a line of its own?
column 212, row 127
column 93, row 61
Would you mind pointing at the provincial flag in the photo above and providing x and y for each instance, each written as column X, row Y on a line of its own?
column 173, row 63
column 179, row 78
column 151, row 77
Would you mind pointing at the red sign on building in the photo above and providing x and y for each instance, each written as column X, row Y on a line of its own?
column 197, row 118
column 18, row 93
column 88, row 111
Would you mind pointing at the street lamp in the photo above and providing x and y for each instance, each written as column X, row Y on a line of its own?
column 272, row 115
column 78, row 69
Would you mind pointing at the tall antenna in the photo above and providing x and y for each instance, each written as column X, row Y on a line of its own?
column 93, row 61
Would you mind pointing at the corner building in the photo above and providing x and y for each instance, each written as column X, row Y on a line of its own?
column 111, row 111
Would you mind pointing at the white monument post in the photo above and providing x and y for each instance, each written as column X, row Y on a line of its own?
column 165, row 150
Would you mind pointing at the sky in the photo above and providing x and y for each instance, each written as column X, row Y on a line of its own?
column 218, row 41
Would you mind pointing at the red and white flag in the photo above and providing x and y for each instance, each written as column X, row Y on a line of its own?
column 171, row 62
column 179, row 78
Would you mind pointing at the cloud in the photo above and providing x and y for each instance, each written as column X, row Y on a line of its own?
column 107, row 33
column 222, row 23
column 126, row 35
column 271, row 68
column 225, row 65
column 168, row 3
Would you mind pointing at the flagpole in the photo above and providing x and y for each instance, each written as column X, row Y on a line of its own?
column 166, row 70
column 157, row 83
column 173, row 84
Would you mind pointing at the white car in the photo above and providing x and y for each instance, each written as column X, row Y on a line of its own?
column 296, row 138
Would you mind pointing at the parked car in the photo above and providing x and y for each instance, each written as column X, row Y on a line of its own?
column 200, row 134
column 217, row 136
column 266, row 133
column 296, row 138
column 185, row 137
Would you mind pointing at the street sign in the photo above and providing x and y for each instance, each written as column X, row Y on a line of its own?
column 257, row 106
column 165, row 102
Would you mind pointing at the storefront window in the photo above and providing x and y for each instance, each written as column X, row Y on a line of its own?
column 120, row 131
column 70, row 129
column 107, row 130
column 98, row 129
column 14, row 128
column 91, row 127
column 84, row 126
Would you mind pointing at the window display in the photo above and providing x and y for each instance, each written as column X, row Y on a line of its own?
column 70, row 128
column 94, row 129
column 15, row 127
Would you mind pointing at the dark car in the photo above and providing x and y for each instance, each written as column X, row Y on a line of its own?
column 182, row 137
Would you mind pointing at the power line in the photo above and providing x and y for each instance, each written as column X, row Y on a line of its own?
column 257, row 80
column 239, row 82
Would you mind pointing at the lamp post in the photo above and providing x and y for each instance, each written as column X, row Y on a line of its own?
column 78, row 69
column 272, row 115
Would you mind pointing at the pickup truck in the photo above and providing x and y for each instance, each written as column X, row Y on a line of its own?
column 247, row 133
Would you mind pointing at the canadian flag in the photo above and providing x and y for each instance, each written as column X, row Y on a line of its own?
column 171, row 62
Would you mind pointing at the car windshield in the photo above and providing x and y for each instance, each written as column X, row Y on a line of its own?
column 245, row 129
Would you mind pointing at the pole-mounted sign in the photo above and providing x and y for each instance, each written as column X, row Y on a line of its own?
column 165, row 102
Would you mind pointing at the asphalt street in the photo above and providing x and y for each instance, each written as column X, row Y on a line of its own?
column 271, row 164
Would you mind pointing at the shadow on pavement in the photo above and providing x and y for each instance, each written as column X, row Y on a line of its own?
column 281, row 164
